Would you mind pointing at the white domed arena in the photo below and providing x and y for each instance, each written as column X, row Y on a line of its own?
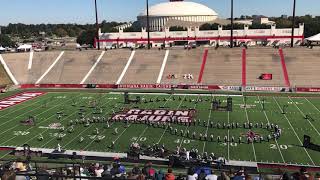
column 180, row 10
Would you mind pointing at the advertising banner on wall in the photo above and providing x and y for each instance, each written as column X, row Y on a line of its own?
column 267, row 89
column 306, row 89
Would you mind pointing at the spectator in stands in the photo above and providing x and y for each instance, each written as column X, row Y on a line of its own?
column 84, row 172
column 20, row 166
column 180, row 177
column 115, row 170
column 303, row 174
column 202, row 175
column 240, row 175
column 169, row 175
column 148, row 171
column 106, row 172
column 57, row 173
column 285, row 176
column 136, row 170
column 224, row 176
column 98, row 171
column 159, row 175
column 8, row 175
column 70, row 172
column 121, row 168
column 43, row 174
column 141, row 177
column 211, row 176
column 132, row 176
column 192, row 175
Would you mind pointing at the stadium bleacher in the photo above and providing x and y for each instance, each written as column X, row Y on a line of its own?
column 264, row 60
column 110, row 67
column 182, row 62
column 223, row 67
column 144, row 68
column 18, row 64
column 72, row 67
column 4, row 78
column 40, row 63
column 303, row 66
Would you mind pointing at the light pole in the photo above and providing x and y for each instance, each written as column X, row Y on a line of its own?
column 97, row 24
column 148, row 26
column 231, row 33
column 293, row 22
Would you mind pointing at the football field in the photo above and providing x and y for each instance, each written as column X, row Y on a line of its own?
column 72, row 120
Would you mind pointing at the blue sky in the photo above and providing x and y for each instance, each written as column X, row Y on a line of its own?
column 81, row 11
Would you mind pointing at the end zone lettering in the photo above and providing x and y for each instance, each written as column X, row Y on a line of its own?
column 157, row 115
column 18, row 98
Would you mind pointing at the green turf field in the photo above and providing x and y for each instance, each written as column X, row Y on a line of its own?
column 287, row 149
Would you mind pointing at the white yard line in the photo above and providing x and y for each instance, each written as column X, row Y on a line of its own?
column 164, row 132
column 145, row 129
column 304, row 116
column 122, row 133
column 51, row 66
column 126, row 67
column 265, row 114
column 209, row 117
column 9, row 129
column 5, row 154
column 163, row 66
column 312, row 104
column 188, row 126
column 295, row 132
column 228, row 137
column 30, row 60
column 92, row 68
column 254, row 150
column 13, row 79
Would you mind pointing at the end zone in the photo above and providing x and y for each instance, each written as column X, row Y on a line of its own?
column 18, row 98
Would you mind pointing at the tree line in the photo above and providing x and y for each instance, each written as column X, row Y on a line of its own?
column 85, row 33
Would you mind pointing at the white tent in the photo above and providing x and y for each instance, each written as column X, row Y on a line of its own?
column 315, row 38
column 25, row 47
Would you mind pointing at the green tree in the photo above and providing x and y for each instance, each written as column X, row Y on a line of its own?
column 207, row 26
column 60, row 32
column 87, row 37
column 177, row 28
column 136, row 27
column 6, row 41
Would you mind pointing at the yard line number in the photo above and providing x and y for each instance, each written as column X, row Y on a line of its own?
column 184, row 141
column 20, row 133
column 142, row 139
column 282, row 146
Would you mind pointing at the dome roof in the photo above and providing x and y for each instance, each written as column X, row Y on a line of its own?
column 179, row 8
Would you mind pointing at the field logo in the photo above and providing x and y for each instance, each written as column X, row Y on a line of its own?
column 18, row 98
column 251, row 134
column 157, row 115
